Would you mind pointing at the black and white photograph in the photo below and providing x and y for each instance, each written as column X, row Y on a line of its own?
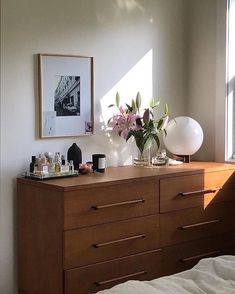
column 88, row 127
column 66, row 95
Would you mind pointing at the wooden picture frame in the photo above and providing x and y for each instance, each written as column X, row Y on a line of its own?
column 66, row 95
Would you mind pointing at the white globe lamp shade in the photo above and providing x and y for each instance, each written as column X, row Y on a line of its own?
column 184, row 136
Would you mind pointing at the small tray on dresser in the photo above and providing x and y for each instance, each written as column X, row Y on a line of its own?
column 50, row 175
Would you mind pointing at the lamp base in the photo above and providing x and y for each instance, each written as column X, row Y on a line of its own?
column 184, row 158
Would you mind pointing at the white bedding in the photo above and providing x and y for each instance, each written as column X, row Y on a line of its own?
column 209, row 276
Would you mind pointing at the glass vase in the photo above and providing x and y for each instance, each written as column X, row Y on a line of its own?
column 142, row 159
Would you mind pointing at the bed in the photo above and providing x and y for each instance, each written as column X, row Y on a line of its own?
column 211, row 276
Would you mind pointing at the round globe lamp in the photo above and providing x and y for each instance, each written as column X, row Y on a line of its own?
column 184, row 137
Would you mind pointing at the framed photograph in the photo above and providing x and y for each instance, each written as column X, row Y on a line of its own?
column 66, row 95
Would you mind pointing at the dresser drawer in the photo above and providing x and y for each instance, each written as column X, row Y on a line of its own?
column 109, row 241
column 91, row 279
column 184, row 256
column 194, row 223
column 110, row 203
column 196, row 190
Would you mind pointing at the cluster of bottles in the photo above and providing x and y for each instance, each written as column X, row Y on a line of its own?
column 46, row 164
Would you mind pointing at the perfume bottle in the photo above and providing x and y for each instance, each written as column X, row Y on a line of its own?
column 35, row 168
column 31, row 166
column 51, row 165
column 64, row 168
column 43, row 165
column 57, row 162
column 71, row 167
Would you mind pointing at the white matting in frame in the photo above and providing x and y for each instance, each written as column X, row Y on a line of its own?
column 66, row 95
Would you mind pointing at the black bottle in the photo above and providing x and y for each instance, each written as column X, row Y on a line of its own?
column 74, row 153
column 31, row 166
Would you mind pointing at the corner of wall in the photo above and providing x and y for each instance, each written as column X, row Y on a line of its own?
column 221, row 40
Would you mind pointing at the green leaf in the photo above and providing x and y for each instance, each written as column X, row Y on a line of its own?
column 148, row 144
column 166, row 109
column 155, row 136
column 151, row 124
column 160, row 123
column 129, row 107
column 139, row 144
column 152, row 102
column 138, row 100
column 133, row 105
column 117, row 99
column 129, row 135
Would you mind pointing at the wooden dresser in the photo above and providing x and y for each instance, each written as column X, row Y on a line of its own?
column 81, row 235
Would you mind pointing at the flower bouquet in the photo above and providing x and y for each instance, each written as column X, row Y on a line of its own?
column 132, row 121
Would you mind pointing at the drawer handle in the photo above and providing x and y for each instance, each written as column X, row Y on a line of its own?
column 136, row 201
column 208, row 254
column 119, row 241
column 205, row 191
column 120, row 278
column 199, row 224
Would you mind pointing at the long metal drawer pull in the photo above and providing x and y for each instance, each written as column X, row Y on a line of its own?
column 136, row 201
column 120, row 278
column 200, row 256
column 199, row 224
column 198, row 192
column 119, row 241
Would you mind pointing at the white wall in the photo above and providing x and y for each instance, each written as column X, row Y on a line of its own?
column 202, row 71
column 137, row 45
column 206, row 39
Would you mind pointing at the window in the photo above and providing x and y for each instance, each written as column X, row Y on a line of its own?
column 230, row 101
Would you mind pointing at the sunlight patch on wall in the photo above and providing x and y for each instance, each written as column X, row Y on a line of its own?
column 138, row 79
column 129, row 5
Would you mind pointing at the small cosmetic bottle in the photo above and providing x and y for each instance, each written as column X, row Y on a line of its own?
column 31, row 166
column 57, row 162
column 71, row 167
column 51, row 165
column 43, row 165
column 64, row 168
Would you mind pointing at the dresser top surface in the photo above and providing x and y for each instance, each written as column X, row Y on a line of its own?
column 127, row 173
